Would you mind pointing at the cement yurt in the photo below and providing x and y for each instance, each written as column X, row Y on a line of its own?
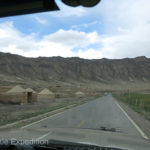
column 79, row 94
column 17, row 95
column 46, row 94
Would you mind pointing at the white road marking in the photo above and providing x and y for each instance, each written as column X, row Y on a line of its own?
column 44, row 118
column 41, row 120
column 136, row 126
column 43, row 136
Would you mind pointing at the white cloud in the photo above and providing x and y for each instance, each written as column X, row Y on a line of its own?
column 129, row 13
column 127, row 29
column 11, row 36
column 72, row 38
column 85, row 25
column 60, row 43
column 129, row 44
column 129, row 21
column 90, row 54
column 130, row 18
column 40, row 20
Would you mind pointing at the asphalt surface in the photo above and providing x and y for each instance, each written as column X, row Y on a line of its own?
column 103, row 111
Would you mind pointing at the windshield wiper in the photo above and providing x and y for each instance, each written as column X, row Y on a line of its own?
column 108, row 129
column 103, row 128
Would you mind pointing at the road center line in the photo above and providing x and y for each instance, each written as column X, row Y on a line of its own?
column 136, row 126
column 81, row 123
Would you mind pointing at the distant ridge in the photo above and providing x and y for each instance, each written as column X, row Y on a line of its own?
column 50, row 69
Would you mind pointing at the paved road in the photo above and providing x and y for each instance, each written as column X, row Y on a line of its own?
column 101, row 112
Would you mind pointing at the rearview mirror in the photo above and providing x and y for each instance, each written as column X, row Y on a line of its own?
column 85, row 3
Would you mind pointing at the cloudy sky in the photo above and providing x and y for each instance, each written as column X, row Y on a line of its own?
column 112, row 29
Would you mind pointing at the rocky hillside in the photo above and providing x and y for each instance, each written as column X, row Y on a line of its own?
column 74, row 69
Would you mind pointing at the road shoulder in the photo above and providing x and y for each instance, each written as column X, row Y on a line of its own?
column 137, row 118
column 25, row 122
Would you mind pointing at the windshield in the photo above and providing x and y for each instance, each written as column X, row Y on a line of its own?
column 76, row 70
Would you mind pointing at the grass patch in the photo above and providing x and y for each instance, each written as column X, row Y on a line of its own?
column 6, row 118
column 138, row 102
column 29, row 115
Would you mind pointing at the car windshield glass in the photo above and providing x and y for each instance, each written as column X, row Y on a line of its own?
column 80, row 72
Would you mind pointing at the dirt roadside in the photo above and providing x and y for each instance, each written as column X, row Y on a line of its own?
column 142, row 123
column 21, row 115
column 22, row 123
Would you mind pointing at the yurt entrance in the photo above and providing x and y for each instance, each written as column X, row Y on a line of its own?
column 29, row 97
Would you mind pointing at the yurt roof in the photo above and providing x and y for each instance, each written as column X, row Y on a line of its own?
column 16, row 89
column 46, row 92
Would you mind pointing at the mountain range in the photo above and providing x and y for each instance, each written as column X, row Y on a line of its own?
column 15, row 68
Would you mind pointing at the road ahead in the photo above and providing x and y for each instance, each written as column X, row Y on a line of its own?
column 103, row 111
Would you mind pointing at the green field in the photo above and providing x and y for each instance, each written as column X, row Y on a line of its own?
column 138, row 102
